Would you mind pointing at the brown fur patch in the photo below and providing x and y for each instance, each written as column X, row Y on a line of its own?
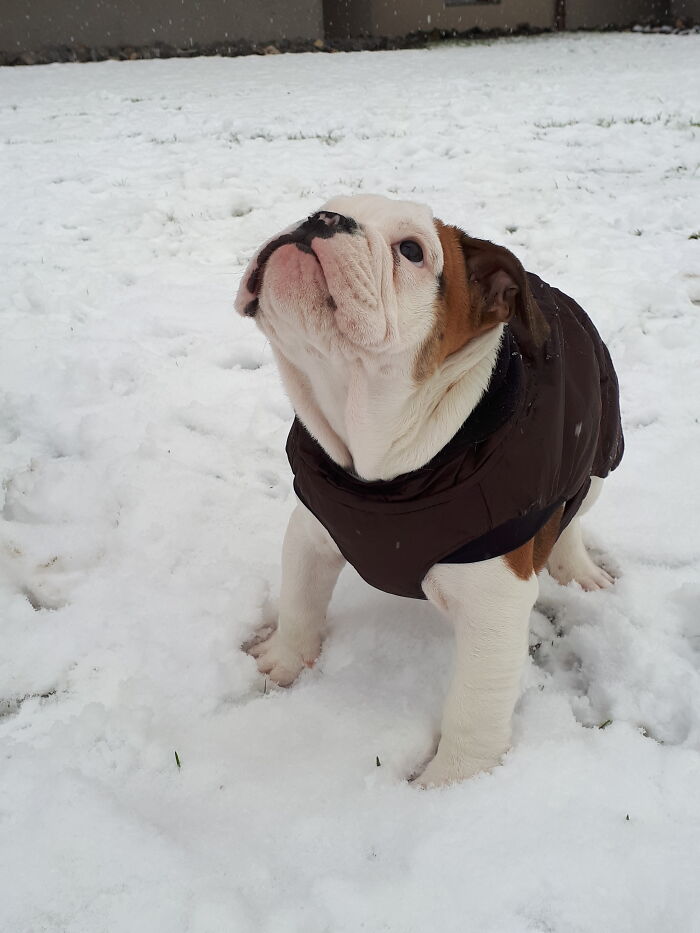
column 482, row 285
column 520, row 560
column 453, row 319
column 457, row 324
column 533, row 555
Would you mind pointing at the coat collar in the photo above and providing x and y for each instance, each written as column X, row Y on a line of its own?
column 499, row 403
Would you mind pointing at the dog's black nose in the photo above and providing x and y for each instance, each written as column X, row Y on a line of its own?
column 327, row 223
column 329, row 218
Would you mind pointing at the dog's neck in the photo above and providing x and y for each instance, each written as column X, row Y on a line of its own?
column 376, row 421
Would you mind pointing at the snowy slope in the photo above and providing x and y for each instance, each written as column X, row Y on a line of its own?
column 145, row 492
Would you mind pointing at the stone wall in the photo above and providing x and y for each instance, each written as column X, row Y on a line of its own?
column 31, row 25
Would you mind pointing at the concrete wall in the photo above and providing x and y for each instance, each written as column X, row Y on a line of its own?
column 589, row 14
column 686, row 9
column 29, row 25
column 398, row 17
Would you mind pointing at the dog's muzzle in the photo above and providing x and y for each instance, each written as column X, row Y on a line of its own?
column 321, row 225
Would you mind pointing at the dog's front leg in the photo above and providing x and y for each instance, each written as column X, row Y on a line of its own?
column 310, row 566
column 489, row 607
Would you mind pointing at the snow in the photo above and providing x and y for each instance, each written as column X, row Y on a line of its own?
column 145, row 494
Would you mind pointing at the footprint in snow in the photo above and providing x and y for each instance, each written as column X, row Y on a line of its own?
column 241, row 359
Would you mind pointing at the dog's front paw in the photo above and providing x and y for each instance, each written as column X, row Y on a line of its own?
column 281, row 660
column 448, row 768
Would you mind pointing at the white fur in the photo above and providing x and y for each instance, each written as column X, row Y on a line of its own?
column 373, row 418
column 348, row 367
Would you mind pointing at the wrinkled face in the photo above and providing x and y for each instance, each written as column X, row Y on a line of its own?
column 360, row 275
column 366, row 276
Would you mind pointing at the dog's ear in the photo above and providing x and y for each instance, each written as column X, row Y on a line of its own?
column 500, row 289
column 495, row 284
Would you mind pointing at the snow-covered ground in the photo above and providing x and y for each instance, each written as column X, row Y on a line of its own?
column 145, row 493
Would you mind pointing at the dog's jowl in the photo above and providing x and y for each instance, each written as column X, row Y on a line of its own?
column 455, row 416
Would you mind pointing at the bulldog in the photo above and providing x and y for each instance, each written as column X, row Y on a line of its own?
column 455, row 416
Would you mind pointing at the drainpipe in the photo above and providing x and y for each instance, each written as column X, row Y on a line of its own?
column 559, row 14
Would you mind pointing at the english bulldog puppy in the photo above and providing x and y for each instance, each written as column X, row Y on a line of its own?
column 455, row 416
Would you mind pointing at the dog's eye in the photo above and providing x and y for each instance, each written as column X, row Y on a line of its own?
column 411, row 250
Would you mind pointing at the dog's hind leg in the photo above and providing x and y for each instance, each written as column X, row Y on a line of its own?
column 569, row 560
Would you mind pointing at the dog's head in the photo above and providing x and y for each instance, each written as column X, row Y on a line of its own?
column 368, row 275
